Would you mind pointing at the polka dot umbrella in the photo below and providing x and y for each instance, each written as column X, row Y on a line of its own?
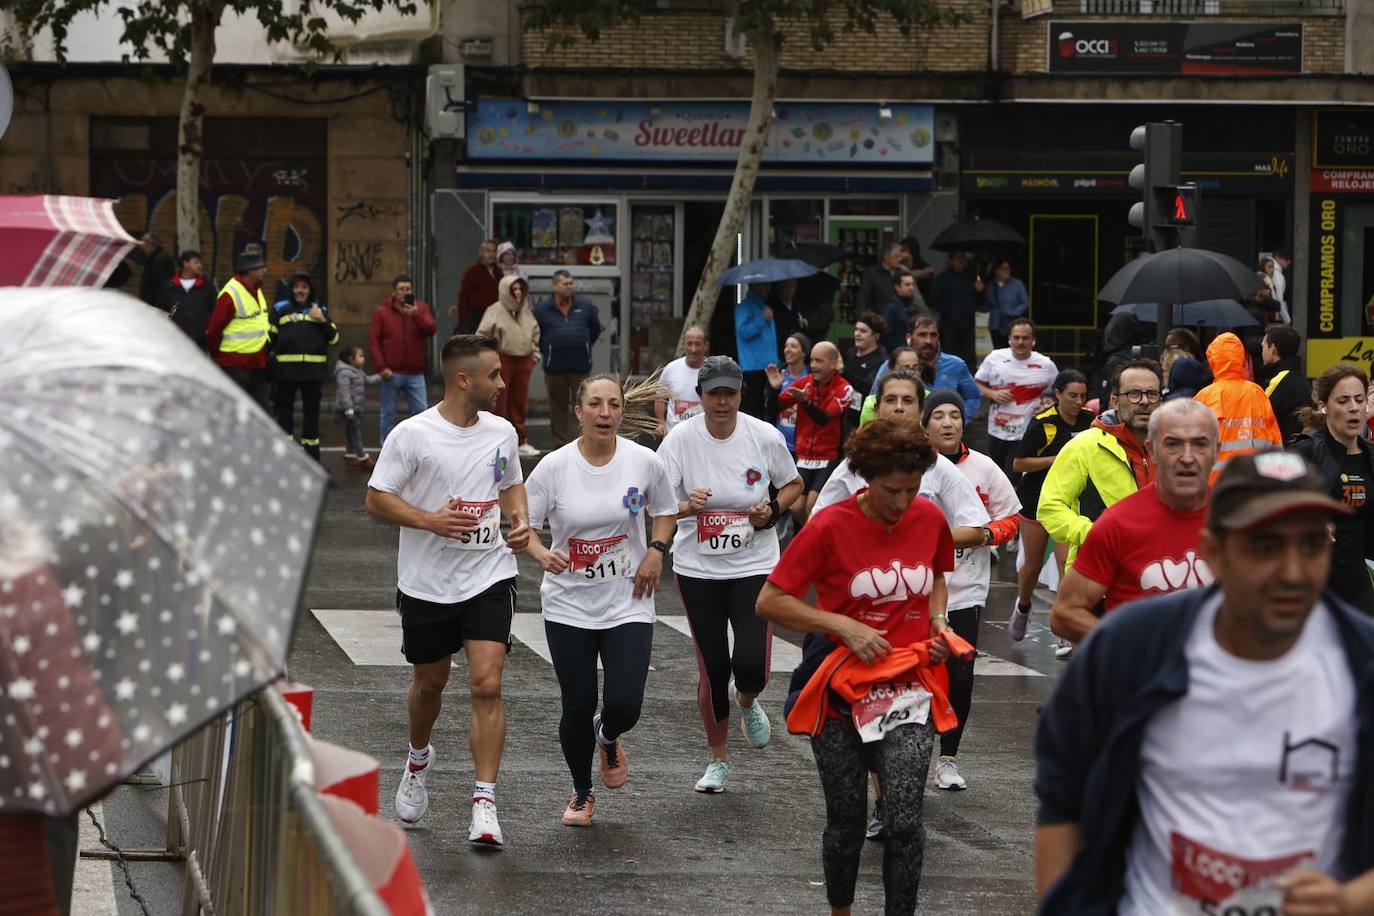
column 155, row 528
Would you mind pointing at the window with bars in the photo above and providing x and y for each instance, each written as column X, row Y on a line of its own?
column 1152, row 7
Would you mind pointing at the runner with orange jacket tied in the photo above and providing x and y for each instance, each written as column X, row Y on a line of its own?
column 878, row 560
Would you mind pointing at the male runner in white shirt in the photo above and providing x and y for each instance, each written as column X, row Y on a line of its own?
column 446, row 476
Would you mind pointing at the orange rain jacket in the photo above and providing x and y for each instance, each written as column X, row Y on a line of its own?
column 1242, row 408
column 851, row 679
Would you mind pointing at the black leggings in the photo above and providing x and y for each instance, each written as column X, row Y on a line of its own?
column 711, row 605
column 624, row 653
column 964, row 622
column 902, row 762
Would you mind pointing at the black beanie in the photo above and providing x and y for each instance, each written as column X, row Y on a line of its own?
column 943, row 396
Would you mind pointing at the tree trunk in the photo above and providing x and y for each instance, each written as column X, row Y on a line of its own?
column 204, row 19
column 742, row 187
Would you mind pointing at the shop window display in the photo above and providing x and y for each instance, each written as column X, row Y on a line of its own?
column 559, row 233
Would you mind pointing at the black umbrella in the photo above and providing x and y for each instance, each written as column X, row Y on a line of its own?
column 1210, row 313
column 973, row 234
column 1179, row 276
column 817, row 254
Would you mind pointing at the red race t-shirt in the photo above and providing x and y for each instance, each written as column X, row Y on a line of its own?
column 862, row 569
column 1140, row 547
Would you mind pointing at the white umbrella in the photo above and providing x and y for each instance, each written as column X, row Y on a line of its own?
column 156, row 531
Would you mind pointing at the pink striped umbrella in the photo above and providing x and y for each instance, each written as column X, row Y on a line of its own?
column 59, row 241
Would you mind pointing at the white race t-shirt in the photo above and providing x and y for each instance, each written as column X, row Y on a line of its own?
column 1028, row 380
column 428, row 461
column 720, row 542
column 972, row 576
column 596, row 516
column 681, row 380
column 1244, row 778
column 942, row 485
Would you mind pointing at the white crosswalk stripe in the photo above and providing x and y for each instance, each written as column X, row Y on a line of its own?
column 374, row 638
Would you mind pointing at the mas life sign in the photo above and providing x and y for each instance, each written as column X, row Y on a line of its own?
column 1175, row 48
column 611, row 131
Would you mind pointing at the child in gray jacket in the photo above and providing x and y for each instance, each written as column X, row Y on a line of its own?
column 351, row 382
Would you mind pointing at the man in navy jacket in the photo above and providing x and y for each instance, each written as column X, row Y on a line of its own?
column 1212, row 750
column 568, row 326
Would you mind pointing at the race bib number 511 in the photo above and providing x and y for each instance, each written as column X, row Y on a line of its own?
column 487, row 534
column 601, row 560
column 721, row 532
column 1209, row 882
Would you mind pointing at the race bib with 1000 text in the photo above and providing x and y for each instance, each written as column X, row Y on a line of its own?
column 487, row 534
column 601, row 560
column 721, row 532
column 888, row 706
column 1208, row 882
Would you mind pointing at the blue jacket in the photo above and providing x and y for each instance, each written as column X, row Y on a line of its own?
column 1005, row 303
column 565, row 341
column 950, row 372
column 756, row 340
column 1087, row 746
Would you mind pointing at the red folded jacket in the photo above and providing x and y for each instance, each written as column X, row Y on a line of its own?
column 851, row 679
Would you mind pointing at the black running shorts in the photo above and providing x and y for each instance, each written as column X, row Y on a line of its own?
column 430, row 631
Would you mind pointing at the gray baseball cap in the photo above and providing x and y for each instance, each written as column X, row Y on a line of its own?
column 719, row 372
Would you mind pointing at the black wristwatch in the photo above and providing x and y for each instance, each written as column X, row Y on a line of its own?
column 660, row 546
column 776, row 511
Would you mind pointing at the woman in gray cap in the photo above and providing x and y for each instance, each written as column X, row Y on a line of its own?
column 721, row 464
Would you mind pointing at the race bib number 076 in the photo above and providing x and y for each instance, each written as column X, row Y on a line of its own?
column 721, row 532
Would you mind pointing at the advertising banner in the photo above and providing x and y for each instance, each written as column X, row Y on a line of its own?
column 672, row 131
column 1343, row 139
column 1175, row 48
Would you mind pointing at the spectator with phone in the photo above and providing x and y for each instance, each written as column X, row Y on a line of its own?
column 399, row 341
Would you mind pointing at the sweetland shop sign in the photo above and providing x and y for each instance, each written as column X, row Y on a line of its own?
column 659, row 132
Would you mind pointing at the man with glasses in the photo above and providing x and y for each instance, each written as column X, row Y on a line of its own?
column 1103, row 465
column 1148, row 542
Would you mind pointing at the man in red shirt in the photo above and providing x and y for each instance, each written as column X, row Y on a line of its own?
column 399, row 340
column 237, row 334
column 822, row 398
column 479, row 288
column 1147, row 542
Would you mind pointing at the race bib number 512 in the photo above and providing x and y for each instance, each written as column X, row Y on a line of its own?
column 487, row 534
column 721, row 532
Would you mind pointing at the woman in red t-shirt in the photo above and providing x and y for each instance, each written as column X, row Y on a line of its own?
column 878, row 559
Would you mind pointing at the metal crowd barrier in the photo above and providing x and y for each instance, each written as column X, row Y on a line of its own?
column 244, row 814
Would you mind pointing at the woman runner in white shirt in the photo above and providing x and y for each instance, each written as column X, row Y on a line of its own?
column 721, row 464
column 972, row 575
column 599, row 578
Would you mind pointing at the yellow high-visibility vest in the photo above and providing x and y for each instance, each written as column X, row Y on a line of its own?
column 247, row 331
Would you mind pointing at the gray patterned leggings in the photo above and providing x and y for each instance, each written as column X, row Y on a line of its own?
column 901, row 760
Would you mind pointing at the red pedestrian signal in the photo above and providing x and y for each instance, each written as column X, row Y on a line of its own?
column 1182, row 209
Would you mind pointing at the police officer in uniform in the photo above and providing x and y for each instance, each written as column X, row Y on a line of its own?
column 303, row 333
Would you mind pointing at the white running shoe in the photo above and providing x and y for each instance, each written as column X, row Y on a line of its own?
column 753, row 720
column 485, row 829
column 1062, row 648
column 412, row 798
column 947, row 775
column 529, row 451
